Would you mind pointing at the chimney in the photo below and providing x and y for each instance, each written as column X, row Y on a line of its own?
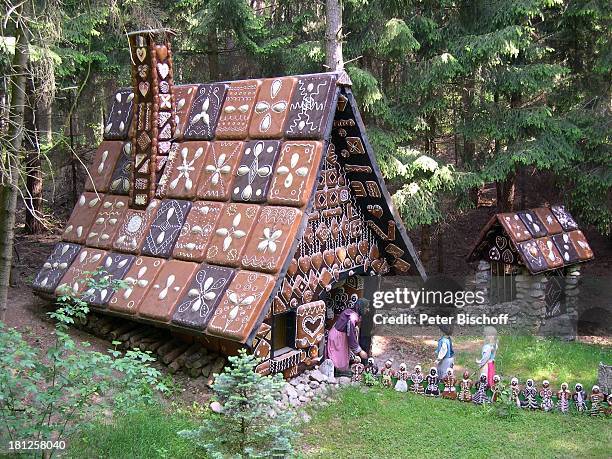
column 153, row 124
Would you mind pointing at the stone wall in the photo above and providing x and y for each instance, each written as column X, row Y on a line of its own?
column 528, row 310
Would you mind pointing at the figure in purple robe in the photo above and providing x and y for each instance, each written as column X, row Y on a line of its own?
column 343, row 337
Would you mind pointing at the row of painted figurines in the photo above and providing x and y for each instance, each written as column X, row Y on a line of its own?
column 480, row 396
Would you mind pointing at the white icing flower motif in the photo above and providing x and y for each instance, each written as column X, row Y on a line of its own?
column 205, row 293
column 289, row 171
column 186, row 168
column 231, row 232
column 203, row 115
column 217, row 168
column 253, row 171
column 237, row 304
column 269, row 240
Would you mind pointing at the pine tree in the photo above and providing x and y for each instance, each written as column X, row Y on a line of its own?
column 249, row 424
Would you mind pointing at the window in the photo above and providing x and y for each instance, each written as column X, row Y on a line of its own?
column 502, row 286
column 283, row 333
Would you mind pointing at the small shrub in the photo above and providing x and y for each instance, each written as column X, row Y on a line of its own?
column 48, row 396
column 249, row 425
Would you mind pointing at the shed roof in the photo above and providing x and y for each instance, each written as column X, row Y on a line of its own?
column 545, row 238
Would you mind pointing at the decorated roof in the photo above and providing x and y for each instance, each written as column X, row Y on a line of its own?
column 542, row 239
column 201, row 197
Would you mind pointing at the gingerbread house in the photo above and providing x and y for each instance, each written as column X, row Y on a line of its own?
column 529, row 267
column 229, row 209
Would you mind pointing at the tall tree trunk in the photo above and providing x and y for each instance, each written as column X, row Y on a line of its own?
column 10, row 175
column 505, row 193
column 213, row 55
column 333, row 35
column 31, row 145
column 425, row 245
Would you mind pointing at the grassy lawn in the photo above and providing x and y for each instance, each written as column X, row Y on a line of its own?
column 531, row 357
column 150, row 433
column 384, row 423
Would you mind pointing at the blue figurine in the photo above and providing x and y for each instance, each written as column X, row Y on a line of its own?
column 445, row 355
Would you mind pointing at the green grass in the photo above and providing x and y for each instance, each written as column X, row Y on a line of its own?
column 384, row 423
column 531, row 357
column 150, row 433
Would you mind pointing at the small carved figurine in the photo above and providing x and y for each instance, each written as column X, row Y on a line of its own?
column 596, row 399
column 563, row 397
column 432, row 388
column 608, row 410
column 465, row 395
column 546, row 394
column 371, row 367
column 450, row 391
column 387, row 373
column 357, row 369
column 480, row 396
column 486, row 363
column 530, row 393
column 579, row 396
column 497, row 388
column 515, row 392
column 417, row 379
column 402, row 376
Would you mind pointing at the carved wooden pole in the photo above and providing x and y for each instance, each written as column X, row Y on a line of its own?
column 153, row 124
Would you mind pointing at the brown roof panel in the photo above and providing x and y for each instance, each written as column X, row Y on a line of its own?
column 183, row 98
column 548, row 220
column 237, row 109
column 241, row 306
column 139, row 280
column 514, row 226
column 295, row 173
column 82, row 217
column 582, row 247
column 102, row 166
column 183, row 174
column 197, row 231
column 550, row 252
column 167, row 288
column 219, row 169
column 102, row 232
column 231, row 234
column 86, row 262
column 271, row 108
column 205, row 110
column 271, row 239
